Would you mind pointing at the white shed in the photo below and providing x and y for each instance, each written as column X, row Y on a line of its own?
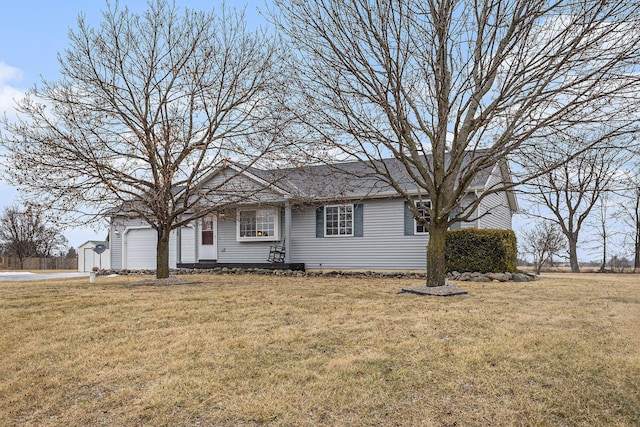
column 94, row 253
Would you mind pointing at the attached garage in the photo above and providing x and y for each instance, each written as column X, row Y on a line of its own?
column 188, row 245
column 140, row 249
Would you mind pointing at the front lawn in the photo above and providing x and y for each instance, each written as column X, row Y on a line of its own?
column 253, row 350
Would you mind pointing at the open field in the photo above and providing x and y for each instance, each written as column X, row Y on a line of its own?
column 254, row 350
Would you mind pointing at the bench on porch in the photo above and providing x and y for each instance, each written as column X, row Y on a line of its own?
column 277, row 253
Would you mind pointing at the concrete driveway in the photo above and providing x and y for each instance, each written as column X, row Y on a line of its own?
column 23, row 276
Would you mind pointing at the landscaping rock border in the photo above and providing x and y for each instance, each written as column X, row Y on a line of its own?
column 492, row 277
column 455, row 276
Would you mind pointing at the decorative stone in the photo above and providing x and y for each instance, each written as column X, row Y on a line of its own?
column 521, row 277
column 454, row 275
column 439, row 291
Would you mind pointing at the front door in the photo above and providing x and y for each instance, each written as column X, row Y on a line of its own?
column 208, row 239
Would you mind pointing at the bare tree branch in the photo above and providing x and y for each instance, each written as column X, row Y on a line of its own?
column 146, row 107
column 571, row 191
column 450, row 88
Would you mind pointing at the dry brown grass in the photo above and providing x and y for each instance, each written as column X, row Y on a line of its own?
column 253, row 350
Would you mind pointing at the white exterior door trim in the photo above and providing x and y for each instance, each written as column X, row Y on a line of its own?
column 208, row 252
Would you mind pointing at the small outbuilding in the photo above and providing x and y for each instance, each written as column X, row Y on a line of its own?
column 94, row 253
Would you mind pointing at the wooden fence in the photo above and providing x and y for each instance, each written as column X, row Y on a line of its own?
column 52, row 263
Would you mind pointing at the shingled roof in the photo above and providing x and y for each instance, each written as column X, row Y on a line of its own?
column 347, row 179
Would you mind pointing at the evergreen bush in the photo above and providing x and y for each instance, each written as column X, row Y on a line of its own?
column 485, row 251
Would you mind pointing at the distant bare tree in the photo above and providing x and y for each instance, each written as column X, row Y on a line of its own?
column 602, row 229
column 629, row 213
column 572, row 191
column 451, row 87
column 25, row 233
column 147, row 106
column 544, row 241
column 618, row 264
column 635, row 218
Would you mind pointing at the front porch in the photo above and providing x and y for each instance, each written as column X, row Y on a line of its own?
column 210, row 264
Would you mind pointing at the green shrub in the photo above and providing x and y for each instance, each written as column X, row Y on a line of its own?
column 485, row 251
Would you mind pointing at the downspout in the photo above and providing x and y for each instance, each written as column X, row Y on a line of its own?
column 287, row 231
column 478, row 218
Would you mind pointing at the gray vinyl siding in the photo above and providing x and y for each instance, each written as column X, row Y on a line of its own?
column 473, row 220
column 496, row 206
column 230, row 250
column 115, row 239
column 499, row 215
column 173, row 249
column 116, row 250
column 245, row 189
column 383, row 245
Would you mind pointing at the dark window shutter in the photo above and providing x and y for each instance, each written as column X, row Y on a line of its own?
column 409, row 227
column 320, row 222
column 358, row 220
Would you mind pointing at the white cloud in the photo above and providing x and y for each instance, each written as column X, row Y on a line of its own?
column 9, row 73
column 8, row 91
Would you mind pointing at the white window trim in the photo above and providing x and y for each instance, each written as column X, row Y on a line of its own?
column 353, row 220
column 274, row 238
column 415, row 221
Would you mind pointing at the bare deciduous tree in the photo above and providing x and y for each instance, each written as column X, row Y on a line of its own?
column 147, row 105
column 25, row 233
column 602, row 229
column 635, row 217
column 451, row 87
column 629, row 214
column 544, row 241
column 572, row 191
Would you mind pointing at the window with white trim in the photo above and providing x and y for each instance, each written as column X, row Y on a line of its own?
column 423, row 212
column 338, row 220
column 258, row 224
column 207, row 230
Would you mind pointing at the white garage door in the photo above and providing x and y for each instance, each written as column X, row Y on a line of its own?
column 141, row 249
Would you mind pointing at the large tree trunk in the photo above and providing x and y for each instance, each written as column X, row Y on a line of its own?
column 436, row 266
column 573, row 254
column 162, row 254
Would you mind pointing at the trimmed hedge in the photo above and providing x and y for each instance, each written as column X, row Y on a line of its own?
column 485, row 251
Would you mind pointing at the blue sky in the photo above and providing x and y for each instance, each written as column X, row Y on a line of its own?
column 32, row 32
